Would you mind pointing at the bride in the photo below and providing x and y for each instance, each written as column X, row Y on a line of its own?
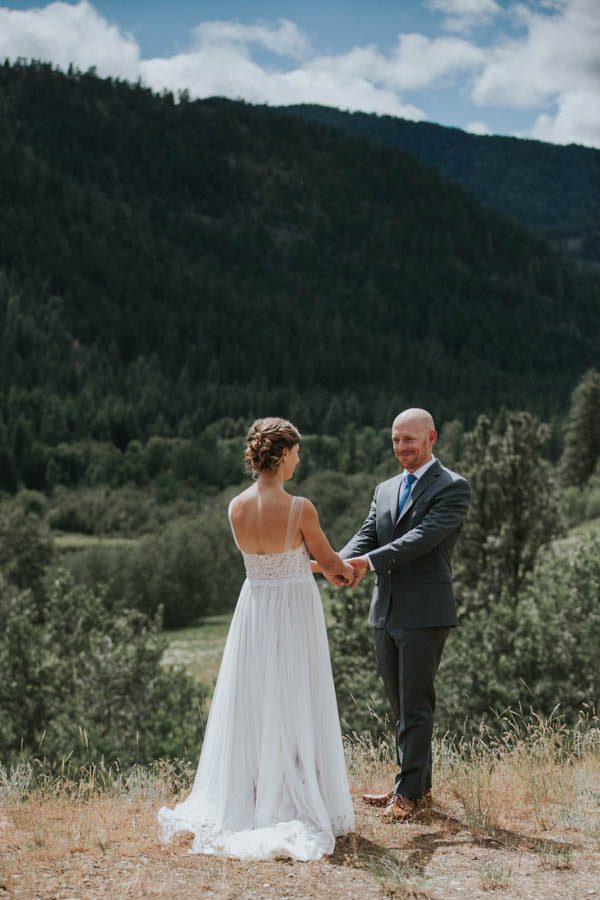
column 271, row 780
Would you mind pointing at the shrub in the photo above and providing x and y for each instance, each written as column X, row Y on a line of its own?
column 190, row 569
column 540, row 653
column 77, row 680
column 361, row 697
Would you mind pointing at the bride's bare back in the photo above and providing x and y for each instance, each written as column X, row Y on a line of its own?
column 260, row 521
column 260, row 517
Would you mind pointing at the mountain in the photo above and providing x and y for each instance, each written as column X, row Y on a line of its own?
column 553, row 190
column 164, row 265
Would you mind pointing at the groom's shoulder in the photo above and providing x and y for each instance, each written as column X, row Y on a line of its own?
column 388, row 483
column 450, row 477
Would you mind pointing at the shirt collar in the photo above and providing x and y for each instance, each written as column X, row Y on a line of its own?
column 418, row 473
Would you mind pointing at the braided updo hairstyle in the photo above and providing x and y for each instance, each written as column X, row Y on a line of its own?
column 265, row 442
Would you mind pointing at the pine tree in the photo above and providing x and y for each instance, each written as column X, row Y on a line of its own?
column 514, row 508
column 582, row 432
column 8, row 473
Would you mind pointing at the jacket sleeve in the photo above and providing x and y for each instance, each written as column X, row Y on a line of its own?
column 447, row 513
column 365, row 539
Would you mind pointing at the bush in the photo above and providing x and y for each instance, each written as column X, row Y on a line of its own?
column 361, row 697
column 582, row 504
column 190, row 569
column 25, row 546
column 76, row 680
column 124, row 511
column 540, row 653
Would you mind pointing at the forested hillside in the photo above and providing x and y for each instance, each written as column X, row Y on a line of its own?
column 164, row 265
column 553, row 190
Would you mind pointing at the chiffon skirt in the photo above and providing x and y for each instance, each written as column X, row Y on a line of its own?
column 271, row 781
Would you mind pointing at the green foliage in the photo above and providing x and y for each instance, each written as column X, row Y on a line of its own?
column 540, row 652
column 189, row 569
column 76, row 679
column 558, row 633
column 25, row 548
column 451, row 443
column 341, row 500
column 79, row 678
column 552, row 190
column 581, row 452
column 514, row 508
column 360, row 694
column 582, row 504
column 128, row 511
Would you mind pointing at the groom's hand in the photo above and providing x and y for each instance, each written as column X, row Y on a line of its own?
column 360, row 564
column 335, row 580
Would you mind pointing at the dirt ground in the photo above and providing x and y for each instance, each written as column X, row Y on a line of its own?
column 107, row 848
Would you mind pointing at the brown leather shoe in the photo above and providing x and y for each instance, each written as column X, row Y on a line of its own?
column 378, row 799
column 400, row 808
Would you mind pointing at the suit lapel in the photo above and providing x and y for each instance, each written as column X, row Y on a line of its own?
column 423, row 483
column 394, row 495
column 420, row 487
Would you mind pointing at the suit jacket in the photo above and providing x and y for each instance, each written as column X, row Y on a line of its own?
column 411, row 553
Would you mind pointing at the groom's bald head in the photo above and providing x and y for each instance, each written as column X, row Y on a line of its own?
column 420, row 418
column 413, row 437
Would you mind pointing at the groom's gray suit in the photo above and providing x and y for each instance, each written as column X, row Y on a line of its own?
column 413, row 608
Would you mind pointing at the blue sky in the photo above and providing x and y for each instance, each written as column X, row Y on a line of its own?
column 528, row 68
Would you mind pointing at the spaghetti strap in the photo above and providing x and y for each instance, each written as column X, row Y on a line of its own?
column 294, row 516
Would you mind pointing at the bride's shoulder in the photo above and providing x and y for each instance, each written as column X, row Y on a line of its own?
column 241, row 500
column 306, row 506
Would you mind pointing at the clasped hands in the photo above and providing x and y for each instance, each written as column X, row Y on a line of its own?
column 354, row 571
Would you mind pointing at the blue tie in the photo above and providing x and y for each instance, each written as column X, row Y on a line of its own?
column 407, row 484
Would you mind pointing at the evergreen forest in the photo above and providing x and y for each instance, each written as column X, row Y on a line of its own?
column 552, row 190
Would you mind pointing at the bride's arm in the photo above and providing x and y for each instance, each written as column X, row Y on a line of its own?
column 327, row 560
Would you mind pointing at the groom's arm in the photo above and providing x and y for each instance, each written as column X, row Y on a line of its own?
column 447, row 513
column 365, row 538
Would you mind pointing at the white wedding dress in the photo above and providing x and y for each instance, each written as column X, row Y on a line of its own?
column 271, row 781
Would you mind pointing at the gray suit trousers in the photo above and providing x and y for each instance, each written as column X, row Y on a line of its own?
column 408, row 660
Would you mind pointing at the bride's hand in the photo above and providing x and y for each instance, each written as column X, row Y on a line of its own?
column 347, row 579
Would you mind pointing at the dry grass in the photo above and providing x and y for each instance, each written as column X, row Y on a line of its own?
column 515, row 815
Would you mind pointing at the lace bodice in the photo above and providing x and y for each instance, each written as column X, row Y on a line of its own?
column 264, row 569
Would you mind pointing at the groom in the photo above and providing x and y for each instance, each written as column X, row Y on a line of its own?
column 407, row 540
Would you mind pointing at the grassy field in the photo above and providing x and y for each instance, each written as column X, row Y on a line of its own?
column 66, row 543
column 199, row 648
column 588, row 529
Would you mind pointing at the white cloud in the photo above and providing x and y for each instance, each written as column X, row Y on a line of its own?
column 229, row 72
column 415, row 63
column 64, row 34
column 556, row 63
column 363, row 78
column 463, row 15
column 477, row 127
column 286, row 40
column 577, row 120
